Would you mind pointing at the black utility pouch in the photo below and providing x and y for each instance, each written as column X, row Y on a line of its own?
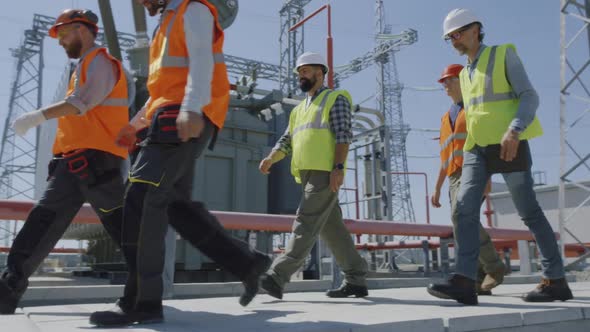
column 163, row 126
column 520, row 163
column 78, row 163
column 51, row 168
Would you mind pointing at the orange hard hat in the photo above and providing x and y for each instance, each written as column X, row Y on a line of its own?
column 69, row 16
column 451, row 71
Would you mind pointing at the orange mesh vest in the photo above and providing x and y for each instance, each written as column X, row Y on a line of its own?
column 97, row 128
column 169, row 63
column 452, row 141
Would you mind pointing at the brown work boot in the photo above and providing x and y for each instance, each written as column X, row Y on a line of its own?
column 480, row 291
column 493, row 278
column 549, row 290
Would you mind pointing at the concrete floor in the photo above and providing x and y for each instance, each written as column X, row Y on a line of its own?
column 405, row 309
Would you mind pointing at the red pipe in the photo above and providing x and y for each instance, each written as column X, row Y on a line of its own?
column 19, row 210
column 425, row 186
column 488, row 212
column 329, row 41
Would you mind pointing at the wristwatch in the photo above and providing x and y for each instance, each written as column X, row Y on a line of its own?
column 339, row 166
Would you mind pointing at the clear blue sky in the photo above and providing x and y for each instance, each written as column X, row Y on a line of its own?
column 532, row 25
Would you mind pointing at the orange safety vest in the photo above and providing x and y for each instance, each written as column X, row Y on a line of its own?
column 452, row 141
column 169, row 66
column 97, row 128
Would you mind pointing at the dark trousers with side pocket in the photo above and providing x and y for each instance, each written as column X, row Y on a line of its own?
column 51, row 216
column 160, row 179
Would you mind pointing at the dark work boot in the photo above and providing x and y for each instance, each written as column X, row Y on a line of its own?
column 262, row 263
column 458, row 287
column 12, row 289
column 549, row 290
column 202, row 229
column 124, row 314
column 347, row 290
column 271, row 287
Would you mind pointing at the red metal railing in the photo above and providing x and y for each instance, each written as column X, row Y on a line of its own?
column 19, row 210
column 329, row 46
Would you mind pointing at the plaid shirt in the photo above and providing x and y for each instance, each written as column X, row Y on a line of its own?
column 340, row 124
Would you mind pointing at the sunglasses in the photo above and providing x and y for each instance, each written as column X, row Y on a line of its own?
column 457, row 34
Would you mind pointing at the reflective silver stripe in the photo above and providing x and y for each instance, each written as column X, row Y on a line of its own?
column 317, row 122
column 218, row 58
column 455, row 153
column 489, row 95
column 451, row 138
column 169, row 61
column 115, row 102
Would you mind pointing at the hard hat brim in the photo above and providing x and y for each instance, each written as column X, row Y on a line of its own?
column 296, row 70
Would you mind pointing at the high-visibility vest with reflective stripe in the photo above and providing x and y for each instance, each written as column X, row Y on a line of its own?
column 98, row 127
column 490, row 103
column 312, row 140
column 169, row 66
column 451, row 142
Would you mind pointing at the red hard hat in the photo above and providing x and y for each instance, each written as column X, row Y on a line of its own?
column 451, row 71
column 69, row 16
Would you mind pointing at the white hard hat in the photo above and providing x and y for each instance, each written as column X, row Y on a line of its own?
column 311, row 58
column 458, row 18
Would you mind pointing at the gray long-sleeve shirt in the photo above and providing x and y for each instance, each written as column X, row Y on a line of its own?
column 518, row 79
column 198, row 29
column 101, row 76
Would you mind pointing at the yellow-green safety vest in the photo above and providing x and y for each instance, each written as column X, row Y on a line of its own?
column 490, row 103
column 312, row 140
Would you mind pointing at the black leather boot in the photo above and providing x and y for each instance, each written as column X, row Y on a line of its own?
column 549, row 290
column 458, row 287
column 125, row 314
column 12, row 288
column 347, row 290
column 202, row 229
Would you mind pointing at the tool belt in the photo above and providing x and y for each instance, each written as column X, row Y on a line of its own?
column 89, row 166
column 163, row 126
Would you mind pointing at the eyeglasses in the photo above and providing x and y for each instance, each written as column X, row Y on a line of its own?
column 457, row 34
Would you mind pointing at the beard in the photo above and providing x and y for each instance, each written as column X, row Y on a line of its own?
column 461, row 49
column 155, row 9
column 306, row 84
column 74, row 50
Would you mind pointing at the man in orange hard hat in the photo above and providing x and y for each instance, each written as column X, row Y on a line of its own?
column 453, row 132
column 87, row 163
column 189, row 98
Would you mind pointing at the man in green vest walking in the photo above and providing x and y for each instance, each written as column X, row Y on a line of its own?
column 318, row 136
column 500, row 105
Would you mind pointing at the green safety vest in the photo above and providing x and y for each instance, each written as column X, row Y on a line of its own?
column 490, row 103
column 312, row 140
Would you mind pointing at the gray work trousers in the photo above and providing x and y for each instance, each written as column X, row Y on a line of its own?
column 319, row 214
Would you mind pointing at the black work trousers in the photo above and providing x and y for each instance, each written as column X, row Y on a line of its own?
column 160, row 179
column 65, row 194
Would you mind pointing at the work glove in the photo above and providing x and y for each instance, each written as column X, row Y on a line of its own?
column 26, row 121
